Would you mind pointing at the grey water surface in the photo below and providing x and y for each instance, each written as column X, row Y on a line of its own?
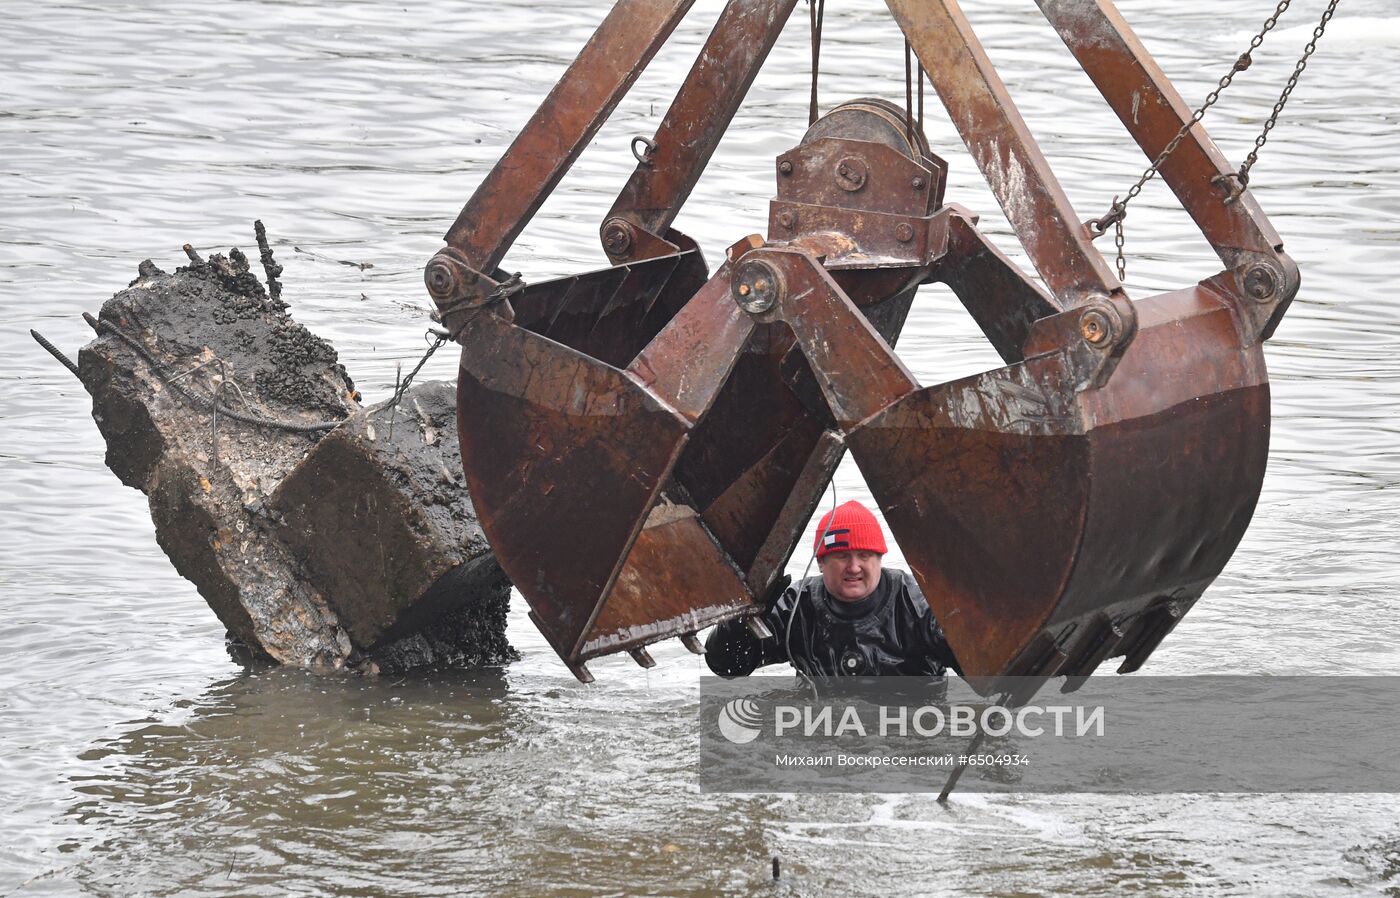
column 137, row 758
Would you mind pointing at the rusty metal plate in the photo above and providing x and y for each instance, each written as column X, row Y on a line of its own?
column 655, row 595
column 546, row 431
column 868, row 239
column 857, row 174
column 1029, row 511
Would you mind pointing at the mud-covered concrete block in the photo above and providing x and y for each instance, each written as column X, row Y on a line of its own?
column 417, row 590
column 378, row 512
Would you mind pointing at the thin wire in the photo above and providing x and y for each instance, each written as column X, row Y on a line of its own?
column 922, row 75
column 817, row 13
column 909, row 94
column 797, row 597
column 224, row 385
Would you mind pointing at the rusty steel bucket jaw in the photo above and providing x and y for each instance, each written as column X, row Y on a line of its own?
column 571, row 476
column 1052, row 523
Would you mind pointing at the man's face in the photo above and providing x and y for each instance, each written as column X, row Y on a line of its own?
column 850, row 576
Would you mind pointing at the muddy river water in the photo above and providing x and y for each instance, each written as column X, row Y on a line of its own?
column 137, row 758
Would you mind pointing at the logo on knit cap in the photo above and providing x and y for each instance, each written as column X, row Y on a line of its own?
column 831, row 541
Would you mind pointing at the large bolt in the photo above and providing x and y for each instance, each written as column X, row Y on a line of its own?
column 1261, row 283
column 851, row 173
column 904, row 232
column 617, row 237
column 1096, row 327
column 441, row 281
column 785, row 167
column 787, row 220
column 757, row 286
column 919, row 184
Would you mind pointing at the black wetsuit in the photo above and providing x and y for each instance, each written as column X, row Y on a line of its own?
column 890, row 631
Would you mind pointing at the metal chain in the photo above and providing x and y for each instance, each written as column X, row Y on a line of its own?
column 439, row 338
column 1118, row 241
column 1242, row 177
column 1119, row 209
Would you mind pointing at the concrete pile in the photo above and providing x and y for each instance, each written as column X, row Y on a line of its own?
column 324, row 534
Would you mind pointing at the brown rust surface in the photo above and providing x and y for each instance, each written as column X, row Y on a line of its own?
column 562, row 432
column 688, row 362
column 573, row 112
column 1150, row 108
column 1004, row 149
column 654, row 596
column 889, row 180
column 697, row 118
column 987, row 519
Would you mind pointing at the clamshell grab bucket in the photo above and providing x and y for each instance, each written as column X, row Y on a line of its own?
column 1052, row 528
column 645, row 444
column 1052, row 519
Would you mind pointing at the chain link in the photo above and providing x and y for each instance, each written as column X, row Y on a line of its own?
column 1122, row 261
column 1242, row 178
column 1119, row 208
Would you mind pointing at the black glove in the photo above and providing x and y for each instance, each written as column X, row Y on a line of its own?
column 775, row 592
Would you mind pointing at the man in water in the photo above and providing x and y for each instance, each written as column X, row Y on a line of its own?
column 856, row 619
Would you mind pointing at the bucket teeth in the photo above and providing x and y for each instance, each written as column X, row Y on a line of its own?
column 642, row 657
column 692, row 644
column 1103, row 637
column 1156, row 624
column 758, row 628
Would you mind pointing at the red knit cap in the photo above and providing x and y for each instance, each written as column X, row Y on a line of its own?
column 849, row 528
